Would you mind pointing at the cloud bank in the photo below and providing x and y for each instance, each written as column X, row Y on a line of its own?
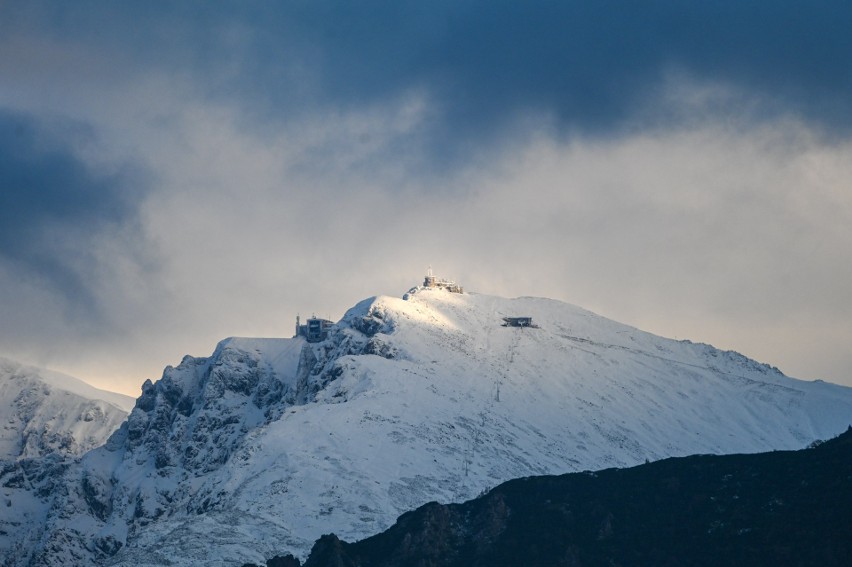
column 174, row 174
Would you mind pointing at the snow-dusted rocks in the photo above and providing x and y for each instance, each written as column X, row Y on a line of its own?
column 45, row 412
column 267, row 444
column 47, row 420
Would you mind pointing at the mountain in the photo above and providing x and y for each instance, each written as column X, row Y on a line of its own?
column 48, row 421
column 778, row 508
column 46, row 412
column 267, row 444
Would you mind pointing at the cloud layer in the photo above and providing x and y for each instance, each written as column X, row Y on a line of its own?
column 173, row 174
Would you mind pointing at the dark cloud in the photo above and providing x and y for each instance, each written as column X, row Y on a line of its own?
column 587, row 61
column 52, row 205
column 591, row 67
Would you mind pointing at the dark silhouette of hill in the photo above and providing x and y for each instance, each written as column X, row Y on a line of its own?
column 777, row 508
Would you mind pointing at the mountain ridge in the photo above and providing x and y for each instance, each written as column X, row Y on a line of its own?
column 45, row 412
column 406, row 401
column 49, row 420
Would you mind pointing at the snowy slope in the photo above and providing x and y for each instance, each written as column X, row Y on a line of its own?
column 47, row 420
column 45, row 412
column 269, row 443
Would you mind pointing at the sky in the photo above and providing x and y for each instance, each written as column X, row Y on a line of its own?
column 174, row 173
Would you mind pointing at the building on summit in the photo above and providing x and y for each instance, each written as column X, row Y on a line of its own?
column 430, row 281
column 314, row 330
column 433, row 282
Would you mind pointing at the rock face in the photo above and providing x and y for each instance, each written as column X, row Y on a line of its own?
column 779, row 508
column 47, row 421
column 267, row 444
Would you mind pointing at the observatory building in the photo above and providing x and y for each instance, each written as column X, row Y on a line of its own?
column 430, row 281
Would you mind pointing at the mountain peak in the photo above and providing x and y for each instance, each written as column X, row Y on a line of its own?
column 406, row 401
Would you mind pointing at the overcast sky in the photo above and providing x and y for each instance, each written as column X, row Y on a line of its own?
column 175, row 173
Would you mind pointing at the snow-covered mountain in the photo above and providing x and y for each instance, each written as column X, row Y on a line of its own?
column 47, row 412
column 47, row 421
column 267, row 444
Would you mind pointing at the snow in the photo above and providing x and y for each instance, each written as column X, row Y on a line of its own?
column 267, row 444
column 48, row 421
column 59, row 381
column 43, row 411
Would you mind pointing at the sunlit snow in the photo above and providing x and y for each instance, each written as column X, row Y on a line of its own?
column 269, row 443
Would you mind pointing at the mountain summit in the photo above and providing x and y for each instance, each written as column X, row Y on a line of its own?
column 267, row 444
